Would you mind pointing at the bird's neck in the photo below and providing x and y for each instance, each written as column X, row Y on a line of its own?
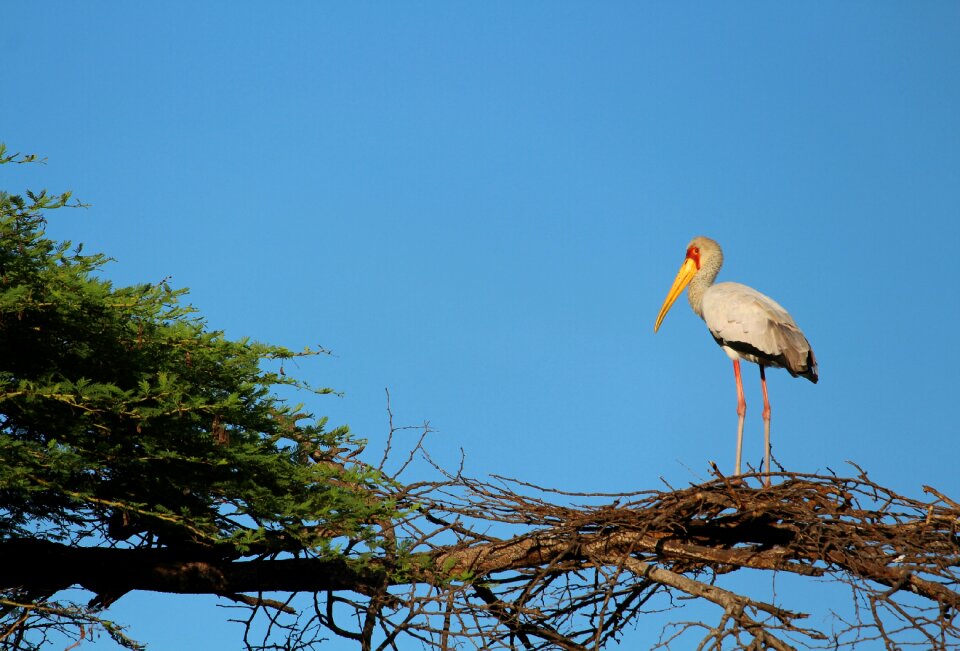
column 701, row 283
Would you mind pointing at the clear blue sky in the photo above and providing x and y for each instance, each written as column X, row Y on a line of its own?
column 481, row 206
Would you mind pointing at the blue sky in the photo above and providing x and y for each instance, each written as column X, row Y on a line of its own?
column 481, row 206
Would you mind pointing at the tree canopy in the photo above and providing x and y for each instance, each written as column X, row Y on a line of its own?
column 142, row 450
column 126, row 420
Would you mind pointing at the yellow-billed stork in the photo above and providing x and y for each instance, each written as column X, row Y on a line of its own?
column 747, row 325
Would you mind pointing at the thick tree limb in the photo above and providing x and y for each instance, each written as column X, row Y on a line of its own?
column 41, row 564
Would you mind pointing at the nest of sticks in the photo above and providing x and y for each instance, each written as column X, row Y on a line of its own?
column 512, row 565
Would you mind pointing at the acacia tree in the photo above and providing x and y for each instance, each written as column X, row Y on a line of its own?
column 128, row 425
column 140, row 450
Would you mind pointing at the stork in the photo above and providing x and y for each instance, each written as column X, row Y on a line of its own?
column 746, row 324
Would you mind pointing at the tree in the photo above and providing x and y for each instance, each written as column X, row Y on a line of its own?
column 127, row 424
column 143, row 451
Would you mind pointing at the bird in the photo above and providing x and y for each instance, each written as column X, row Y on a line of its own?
column 748, row 325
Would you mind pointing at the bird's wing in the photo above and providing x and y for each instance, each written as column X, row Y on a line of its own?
column 747, row 321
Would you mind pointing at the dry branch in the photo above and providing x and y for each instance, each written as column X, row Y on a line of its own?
column 497, row 564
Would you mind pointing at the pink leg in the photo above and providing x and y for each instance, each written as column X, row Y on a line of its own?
column 766, row 426
column 741, row 412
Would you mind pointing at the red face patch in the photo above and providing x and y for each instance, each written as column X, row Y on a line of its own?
column 693, row 253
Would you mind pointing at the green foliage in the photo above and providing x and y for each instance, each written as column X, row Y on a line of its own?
column 124, row 418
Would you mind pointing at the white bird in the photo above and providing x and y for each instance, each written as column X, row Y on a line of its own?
column 747, row 325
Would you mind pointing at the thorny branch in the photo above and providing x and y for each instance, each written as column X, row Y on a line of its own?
column 505, row 564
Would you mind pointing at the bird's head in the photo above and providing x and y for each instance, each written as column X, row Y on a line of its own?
column 701, row 252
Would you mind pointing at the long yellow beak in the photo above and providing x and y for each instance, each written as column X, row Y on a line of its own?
column 687, row 271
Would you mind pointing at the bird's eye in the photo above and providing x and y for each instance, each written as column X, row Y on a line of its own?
column 696, row 251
